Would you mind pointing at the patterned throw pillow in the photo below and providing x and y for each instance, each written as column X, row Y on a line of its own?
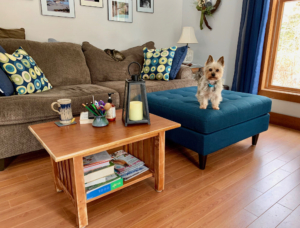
column 22, row 70
column 158, row 63
column 180, row 55
column 6, row 86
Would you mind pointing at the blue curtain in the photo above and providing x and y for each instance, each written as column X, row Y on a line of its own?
column 250, row 45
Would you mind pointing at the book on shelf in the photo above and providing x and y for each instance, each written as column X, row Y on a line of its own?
column 85, row 118
column 99, row 173
column 128, row 166
column 100, row 182
column 113, row 181
column 96, row 161
column 97, row 166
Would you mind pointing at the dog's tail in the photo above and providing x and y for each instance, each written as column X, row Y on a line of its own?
column 199, row 74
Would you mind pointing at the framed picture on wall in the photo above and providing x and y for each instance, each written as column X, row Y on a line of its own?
column 120, row 10
column 145, row 6
column 58, row 8
column 94, row 3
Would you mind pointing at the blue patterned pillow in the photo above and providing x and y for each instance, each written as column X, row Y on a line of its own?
column 6, row 86
column 22, row 70
column 180, row 55
column 158, row 63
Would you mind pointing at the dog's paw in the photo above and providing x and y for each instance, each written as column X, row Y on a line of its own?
column 202, row 107
column 216, row 108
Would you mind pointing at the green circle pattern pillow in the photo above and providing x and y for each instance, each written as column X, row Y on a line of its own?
column 22, row 70
column 158, row 63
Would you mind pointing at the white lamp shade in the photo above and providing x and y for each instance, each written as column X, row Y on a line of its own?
column 188, row 36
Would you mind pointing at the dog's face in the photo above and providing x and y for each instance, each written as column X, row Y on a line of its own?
column 214, row 70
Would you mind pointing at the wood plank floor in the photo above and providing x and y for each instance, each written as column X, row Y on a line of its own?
column 242, row 186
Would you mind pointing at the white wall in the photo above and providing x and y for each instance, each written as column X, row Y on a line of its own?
column 286, row 108
column 222, row 39
column 91, row 24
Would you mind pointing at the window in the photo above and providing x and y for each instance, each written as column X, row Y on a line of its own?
column 280, row 75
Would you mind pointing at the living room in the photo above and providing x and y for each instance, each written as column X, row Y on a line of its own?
column 147, row 113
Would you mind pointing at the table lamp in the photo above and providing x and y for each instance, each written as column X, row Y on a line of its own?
column 188, row 37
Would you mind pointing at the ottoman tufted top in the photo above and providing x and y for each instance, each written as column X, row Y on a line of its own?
column 182, row 106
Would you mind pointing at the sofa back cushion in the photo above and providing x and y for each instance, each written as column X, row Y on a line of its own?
column 63, row 63
column 104, row 68
column 12, row 33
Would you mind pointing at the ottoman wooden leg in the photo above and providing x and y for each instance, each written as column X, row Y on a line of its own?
column 255, row 139
column 202, row 161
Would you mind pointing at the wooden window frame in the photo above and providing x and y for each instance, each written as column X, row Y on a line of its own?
column 269, row 57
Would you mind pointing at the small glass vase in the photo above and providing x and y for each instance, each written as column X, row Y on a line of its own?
column 100, row 121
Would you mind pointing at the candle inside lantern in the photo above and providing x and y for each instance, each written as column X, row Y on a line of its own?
column 136, row 110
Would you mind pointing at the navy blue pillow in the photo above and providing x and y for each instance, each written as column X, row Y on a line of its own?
column 180, row 55
column 6, row 86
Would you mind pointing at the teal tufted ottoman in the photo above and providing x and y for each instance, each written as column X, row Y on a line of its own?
column 241, row 115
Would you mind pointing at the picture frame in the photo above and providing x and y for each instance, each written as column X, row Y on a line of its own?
column 120, row 10
column 92, row 3
column 145, row 6
column 62, row 8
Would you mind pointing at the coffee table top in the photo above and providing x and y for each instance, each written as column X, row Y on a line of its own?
column 63, row 143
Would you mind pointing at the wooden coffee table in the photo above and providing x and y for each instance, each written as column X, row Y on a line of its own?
column 68, row 145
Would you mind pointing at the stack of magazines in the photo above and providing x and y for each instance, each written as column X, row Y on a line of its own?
column 127, row 166
column 99, row 175
column 96, row 161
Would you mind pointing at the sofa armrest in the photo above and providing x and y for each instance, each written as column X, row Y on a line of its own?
column 185, row 72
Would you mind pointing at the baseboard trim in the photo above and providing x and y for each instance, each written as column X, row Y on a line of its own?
column 285, row 121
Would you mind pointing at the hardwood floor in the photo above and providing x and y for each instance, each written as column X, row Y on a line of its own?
column 242, row 186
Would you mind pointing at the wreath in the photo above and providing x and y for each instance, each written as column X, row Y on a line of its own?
column 206, row 10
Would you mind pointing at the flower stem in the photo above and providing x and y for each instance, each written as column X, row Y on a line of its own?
column 201, row 20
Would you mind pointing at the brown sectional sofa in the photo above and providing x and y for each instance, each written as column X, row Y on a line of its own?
column 76, row 72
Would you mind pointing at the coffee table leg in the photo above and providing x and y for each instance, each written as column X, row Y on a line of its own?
column 159, row 162
column 55, row 174
column 79, row 191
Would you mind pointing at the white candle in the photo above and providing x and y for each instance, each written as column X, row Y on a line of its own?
column 136, row 110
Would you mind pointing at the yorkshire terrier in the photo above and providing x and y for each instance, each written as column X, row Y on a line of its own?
column 210, row 83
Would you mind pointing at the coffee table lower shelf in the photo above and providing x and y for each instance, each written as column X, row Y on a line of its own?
column 132, row 181
column 69, row 176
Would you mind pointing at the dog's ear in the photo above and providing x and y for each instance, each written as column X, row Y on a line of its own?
column 209, row 60
column 221, row 61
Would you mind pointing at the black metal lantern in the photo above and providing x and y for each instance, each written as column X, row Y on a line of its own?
column 135, row 105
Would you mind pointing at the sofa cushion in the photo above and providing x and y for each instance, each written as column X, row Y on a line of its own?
column 151, row 86
column 26, row 76
column 63, row 63
column 185, row 72
column 12, row 33
column 182, row 106
column 104, row 68
column 35, row 107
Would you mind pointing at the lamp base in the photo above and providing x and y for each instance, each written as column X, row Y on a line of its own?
column 189, row 56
